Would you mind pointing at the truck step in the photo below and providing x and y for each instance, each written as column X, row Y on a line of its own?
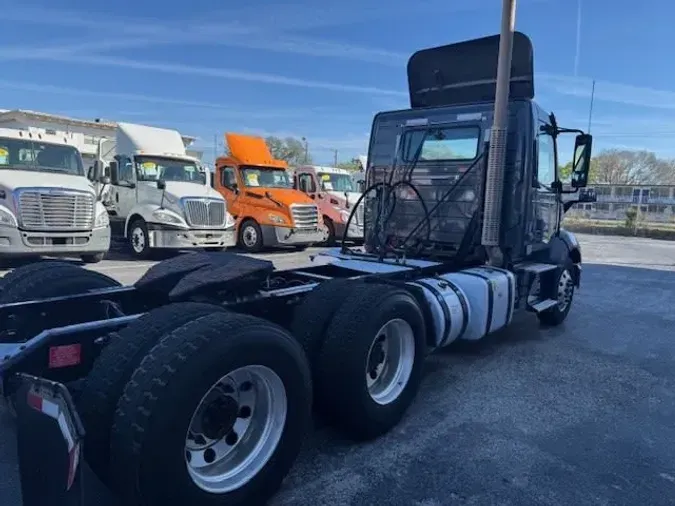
column 543, row 305
column 534, row 267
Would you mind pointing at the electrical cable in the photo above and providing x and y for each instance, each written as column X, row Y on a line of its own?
column 444, row 197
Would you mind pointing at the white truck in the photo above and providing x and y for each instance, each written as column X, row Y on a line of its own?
column 47, row 205
column 159, row 196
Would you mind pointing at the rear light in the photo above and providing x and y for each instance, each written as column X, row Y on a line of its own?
column 67, row 355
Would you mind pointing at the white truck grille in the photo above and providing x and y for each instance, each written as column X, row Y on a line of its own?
column 305, row 215
column 358, row 218
column 55, row 209
column 205, row 213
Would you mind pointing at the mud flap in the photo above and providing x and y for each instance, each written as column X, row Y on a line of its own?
column 49, row 443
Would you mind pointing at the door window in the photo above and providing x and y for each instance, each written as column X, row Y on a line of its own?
column 227, row 177
column 545, row 160
column 125, row 168
column 306, row 183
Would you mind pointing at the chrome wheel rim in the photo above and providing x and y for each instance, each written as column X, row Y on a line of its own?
column 565, row 290
column 390, row 361
column 138, row 239
column 235, row 429
column 250, row 236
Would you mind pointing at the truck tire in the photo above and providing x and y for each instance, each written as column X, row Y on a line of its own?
column 314, row 313
column 330, row 240
column 564, row 290
column 114, row 367
column 250, row 236
column 15, row 275
column 54, row 281
column 139, row 239
column 51, row 279
column 94, row 258
column 370, row 366
column 171, row 395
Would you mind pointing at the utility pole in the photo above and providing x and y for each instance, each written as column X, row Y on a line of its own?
column 306, row 149
column 494, row 181
column 335, row 157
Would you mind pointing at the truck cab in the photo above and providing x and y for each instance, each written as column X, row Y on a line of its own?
column 439, row 147
column 47, row 205
column 336, row 195
column 160, row 196
column 260, row 194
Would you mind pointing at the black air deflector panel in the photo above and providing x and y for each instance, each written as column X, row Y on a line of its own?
column 466, row 72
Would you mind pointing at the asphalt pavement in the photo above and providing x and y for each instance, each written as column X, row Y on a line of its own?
column 582, row 414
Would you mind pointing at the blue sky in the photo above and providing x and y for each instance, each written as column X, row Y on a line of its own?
column 295, row 68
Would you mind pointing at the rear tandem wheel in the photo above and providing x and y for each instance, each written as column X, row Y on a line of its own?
column 214, row 415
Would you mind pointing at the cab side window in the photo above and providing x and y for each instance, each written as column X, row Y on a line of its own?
column 227, row 177
column 545, row 160
column 306, row 183
column 125, row 168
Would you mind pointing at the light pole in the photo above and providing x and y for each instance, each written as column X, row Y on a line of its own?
column 494, row 181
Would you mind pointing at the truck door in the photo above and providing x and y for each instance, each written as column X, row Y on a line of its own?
column 546, row 205
column 229, row 189
column 123, row 195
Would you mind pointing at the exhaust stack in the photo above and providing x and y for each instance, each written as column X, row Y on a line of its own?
column 494, row 180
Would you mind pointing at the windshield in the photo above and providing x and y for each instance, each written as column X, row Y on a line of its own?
column 266, row 177
column 152, row 168
column 441, row 144
column 336, row 182
column 27, row 154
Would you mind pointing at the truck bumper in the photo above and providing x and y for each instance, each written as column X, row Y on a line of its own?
column 17, row 242
column 273, row 236
column 355, row 232
column 173, row 238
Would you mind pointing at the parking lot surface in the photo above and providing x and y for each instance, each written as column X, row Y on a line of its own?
column 582, row 414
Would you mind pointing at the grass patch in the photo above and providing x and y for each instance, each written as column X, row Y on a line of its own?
column 664, row 231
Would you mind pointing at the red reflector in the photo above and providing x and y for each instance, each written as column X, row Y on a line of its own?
column 35, row 401
column 65, row 356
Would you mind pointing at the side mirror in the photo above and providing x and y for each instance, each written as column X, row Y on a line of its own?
column 581, row 163
column 104, row 180
column 161, row 184
column 114, row 173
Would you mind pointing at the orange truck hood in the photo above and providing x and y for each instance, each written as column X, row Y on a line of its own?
column 285, row 196
column 252, row 150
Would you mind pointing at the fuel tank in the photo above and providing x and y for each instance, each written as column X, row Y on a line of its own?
column 469, row 304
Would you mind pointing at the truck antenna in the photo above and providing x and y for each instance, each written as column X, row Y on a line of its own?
column 590, row 109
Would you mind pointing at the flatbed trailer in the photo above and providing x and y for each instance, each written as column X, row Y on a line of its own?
column 197, row 384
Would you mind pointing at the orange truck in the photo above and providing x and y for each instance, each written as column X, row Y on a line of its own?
column 260, row 195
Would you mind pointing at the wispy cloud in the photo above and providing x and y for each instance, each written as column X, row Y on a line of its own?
column 608, row 91
column 223, row 73
column 214, row 110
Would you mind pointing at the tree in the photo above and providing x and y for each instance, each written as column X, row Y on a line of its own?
column 626, row 167
column 290, row 149
column 352, row 165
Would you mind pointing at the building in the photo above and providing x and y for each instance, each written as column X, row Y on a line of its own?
column 656, row 203
column 84, row 134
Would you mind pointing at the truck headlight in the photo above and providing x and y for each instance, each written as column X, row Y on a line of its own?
column 169, row 217
column 229, row 220
column 344, row 216
column 275, row 218
column 102, row 220
column 7, row 218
